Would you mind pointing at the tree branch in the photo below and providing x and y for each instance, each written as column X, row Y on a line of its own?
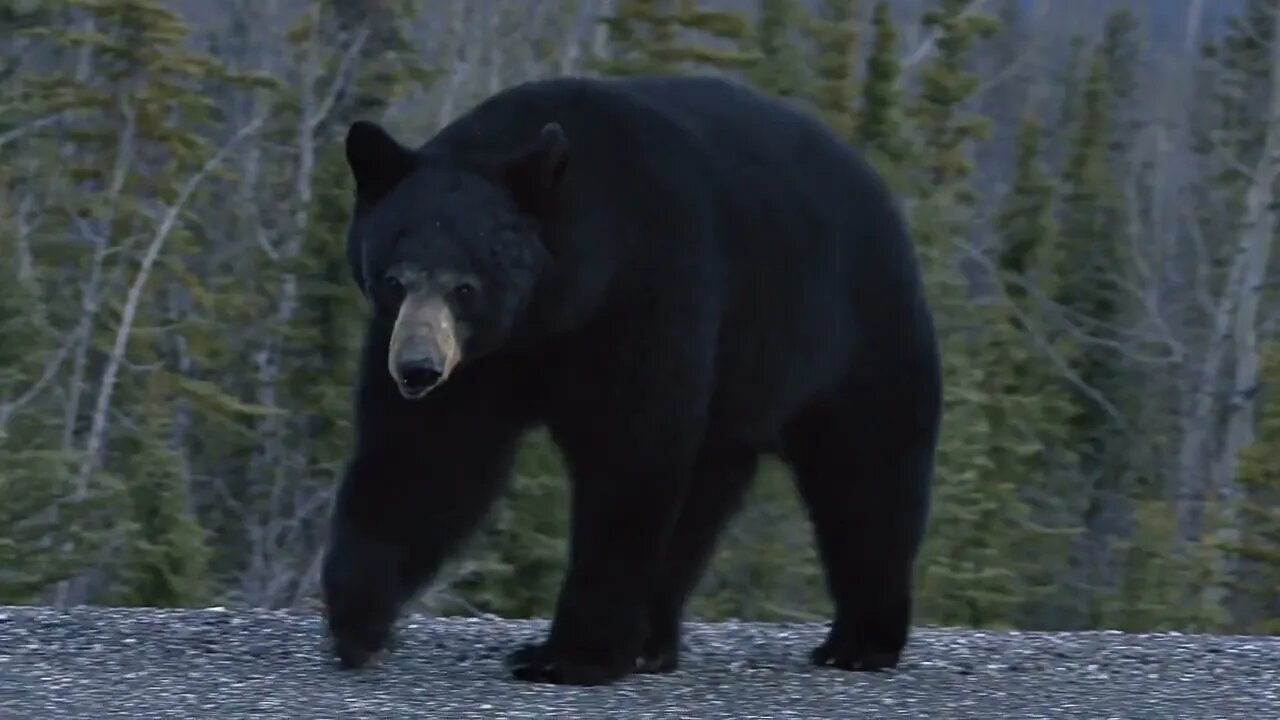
column 110, row 373
column 23, row 130
column 926, row 46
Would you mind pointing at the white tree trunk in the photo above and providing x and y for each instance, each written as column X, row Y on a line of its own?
column 111, row 371
column 269, row 465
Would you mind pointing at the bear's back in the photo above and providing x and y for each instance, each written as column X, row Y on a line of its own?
column 785, row 188
column 811, row 257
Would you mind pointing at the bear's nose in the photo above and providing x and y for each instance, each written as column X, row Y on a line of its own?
column 419, row 375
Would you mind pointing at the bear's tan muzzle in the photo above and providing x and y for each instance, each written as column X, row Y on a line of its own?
column 426, row 344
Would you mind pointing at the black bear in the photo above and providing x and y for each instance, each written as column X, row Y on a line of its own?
column 673, row 276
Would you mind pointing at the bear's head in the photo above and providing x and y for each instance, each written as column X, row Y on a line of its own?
column 449, row 248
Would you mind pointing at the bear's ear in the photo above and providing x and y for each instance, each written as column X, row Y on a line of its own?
column 377, row 160
column 534, row 176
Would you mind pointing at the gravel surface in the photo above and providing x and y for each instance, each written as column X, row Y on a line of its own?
column 140, row 663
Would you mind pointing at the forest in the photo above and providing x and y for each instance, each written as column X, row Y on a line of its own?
column 1092, row 188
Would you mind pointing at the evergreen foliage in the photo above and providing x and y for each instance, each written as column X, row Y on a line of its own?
column 175, row 395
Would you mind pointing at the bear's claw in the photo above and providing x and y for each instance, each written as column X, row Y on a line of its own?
column 847, row 653
column 656, row 663
column 539, row 663
column 352, row 658
column 660, row 654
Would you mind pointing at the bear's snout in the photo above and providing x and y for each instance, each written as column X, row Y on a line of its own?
column 418, row 376
column 425, row 345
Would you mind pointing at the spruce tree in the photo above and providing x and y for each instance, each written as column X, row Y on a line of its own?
column 1089, row 298
column 42, row 538
column 657, row 37
column 965, row 577
column 1028, row 403
column 881, row 126
column 139, row 126
column 834, row 30
column 780, row 67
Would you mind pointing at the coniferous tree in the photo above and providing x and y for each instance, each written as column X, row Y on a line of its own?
column 42, row 539
column 834, row 30
column 1092, row 224
column 143, row 130
column 962, row 577
column 1029, row 404
column 780, row 68
column 881, row 127
column 648, row 37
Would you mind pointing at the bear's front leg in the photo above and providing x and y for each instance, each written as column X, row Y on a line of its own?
column 423, row 474
column 628, row 425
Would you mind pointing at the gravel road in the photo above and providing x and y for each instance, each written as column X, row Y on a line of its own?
column 210, row 664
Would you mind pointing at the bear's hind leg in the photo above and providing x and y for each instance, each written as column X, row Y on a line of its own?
column 863, row 468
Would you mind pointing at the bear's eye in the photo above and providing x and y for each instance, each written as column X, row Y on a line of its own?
column 393, row 286
column 465, row 291
column 464, row 294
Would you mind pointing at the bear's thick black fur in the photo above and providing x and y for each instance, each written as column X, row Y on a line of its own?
column 675, row 275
